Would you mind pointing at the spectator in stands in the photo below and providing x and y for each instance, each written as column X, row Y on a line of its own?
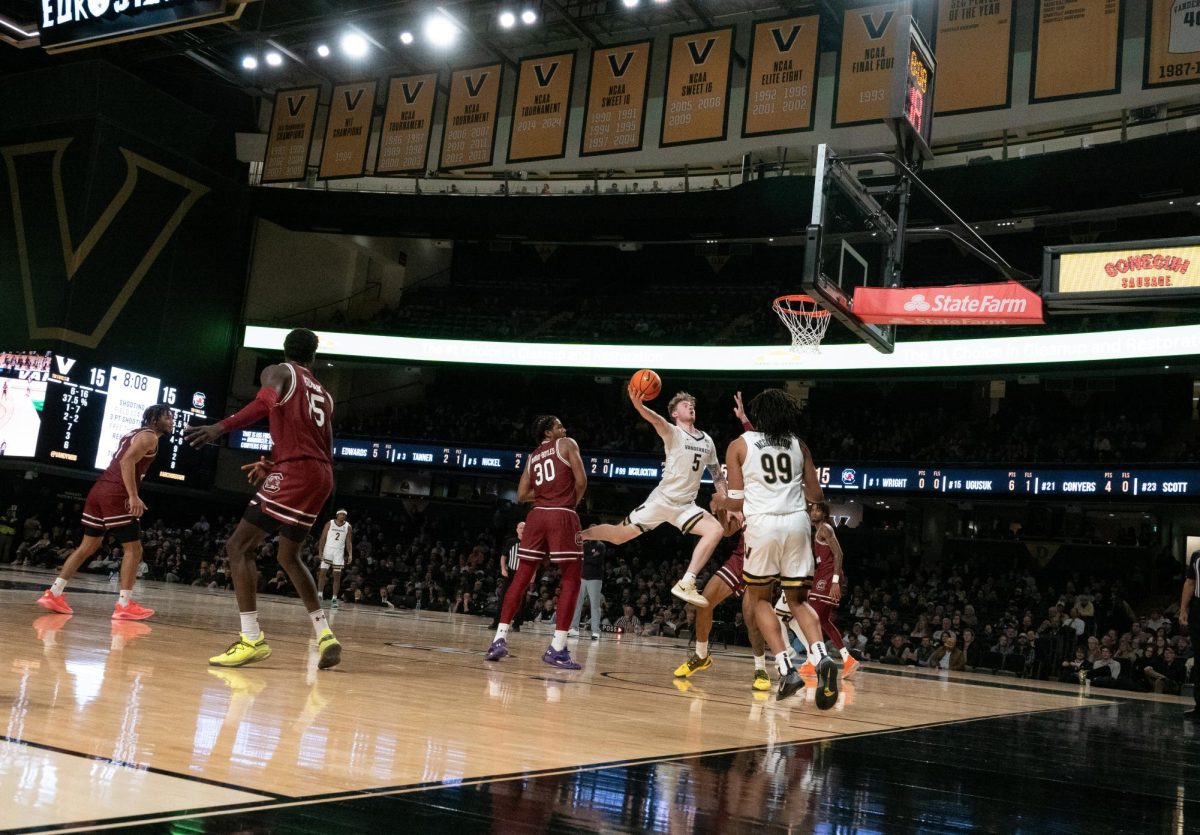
column 924, row 651
column 1104, row 669
column 1074, row 669
column 948, row 656
column 628, row 623
column 898, row 651
column 972, row 653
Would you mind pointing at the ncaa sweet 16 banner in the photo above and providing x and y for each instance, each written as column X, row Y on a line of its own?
column 1077, row 49
column 614, row 115
column 407, row 124
column 469, row 131
column 542, row 103
column 696, row 98
column 344, row 151
column 1172, row 43
column 782, row 78
column 973, row 44
column 866, row 63
column 291, row 135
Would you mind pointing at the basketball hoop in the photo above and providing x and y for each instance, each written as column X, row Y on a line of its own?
column 805, row 320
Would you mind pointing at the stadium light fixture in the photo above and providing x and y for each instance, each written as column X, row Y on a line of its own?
column 507, row 20
column 529, row 17
column 629, row 4
column 354, row 45
column 440, row 30
column 323, row 50
column 249, row 63
column 274, row 59
column 406, row 37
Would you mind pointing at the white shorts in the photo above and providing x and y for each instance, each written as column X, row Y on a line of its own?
column 335, row 561
column 779, row 546
column 656, row 511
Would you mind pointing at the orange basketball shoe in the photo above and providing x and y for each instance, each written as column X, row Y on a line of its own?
column 807, row 669
column 131, row 612
column 850, row 666
column 55, row 603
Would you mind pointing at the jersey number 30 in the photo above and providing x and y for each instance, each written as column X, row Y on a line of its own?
column 777, row 467
column 543, row 471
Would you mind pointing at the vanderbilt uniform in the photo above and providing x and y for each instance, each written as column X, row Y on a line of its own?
column 778, row 530
column 673, row 501
column 335, row 545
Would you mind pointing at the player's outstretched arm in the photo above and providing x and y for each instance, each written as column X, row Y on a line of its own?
column 660, row 424
column 576, row 461
column 274, row 379
column 734, row 497
column 812, row 484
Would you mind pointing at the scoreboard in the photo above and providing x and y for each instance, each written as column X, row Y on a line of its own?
column 66, row 410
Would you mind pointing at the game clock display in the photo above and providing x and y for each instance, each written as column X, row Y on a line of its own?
column 64, row 410
column 911, row 110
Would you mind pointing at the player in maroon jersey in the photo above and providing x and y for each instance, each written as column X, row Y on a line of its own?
column 113, row 507
column 292, row 489
column 555, row 481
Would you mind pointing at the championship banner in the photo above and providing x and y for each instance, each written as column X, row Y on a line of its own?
column 1006, row 303
column 866, row 62
column 1117, row 271
column 291, row 135
column 973, row 41
column 614, row 115
column 407, row 124
column 344, row 151
column 469, row 132
column 1077, row 49
column 1172, row 43
column 541, row 107
column 696, row 98
column 781, row 81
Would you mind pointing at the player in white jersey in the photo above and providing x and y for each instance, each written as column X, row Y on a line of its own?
column 688, row 452
column 771, row 481
column 337, row 550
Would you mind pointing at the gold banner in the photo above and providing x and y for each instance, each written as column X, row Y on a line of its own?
column 782, row 79
column 696, row 98
column 407, row 122
column 615, row 112
column 973, row 44
column 291, row 135
column 1077, row 49
column 541, row 108
column 344, row 152
column 1123, row 270
column 864, row 84
column 469, row 132
column 1172, row 43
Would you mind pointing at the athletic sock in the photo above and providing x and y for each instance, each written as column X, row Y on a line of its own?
column 845, row 654
column 783, row 663
column 502, row 632
column 560, row 640
column 702, row 649
column 125, row 598
column 760, row 662
column 816, row 652
column 320, row 624
column 59, row 587
column 250, row 625
column 689, row 577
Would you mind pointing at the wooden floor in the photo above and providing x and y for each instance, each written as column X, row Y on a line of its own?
column 108, row 725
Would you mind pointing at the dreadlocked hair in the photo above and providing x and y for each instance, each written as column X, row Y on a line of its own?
column 776, row 414
column 541, row 425
column 153, row 413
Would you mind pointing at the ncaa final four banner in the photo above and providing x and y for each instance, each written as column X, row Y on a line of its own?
column 781, row 82
column 469, row 129
column 291, row 135
column 541, row 107
column 344, row 151
column 614, row 115
column 866, row 62
column 973, row 41
column 1172, row 43
column 1076, row 49
column 407, row 124
column 696, row 98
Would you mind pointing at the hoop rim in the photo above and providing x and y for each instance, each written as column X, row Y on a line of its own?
column 804, row 298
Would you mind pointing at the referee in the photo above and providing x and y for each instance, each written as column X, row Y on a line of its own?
column 1189, row 616
column 509, row 562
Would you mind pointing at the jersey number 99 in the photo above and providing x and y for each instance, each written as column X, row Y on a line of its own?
column 777, row 468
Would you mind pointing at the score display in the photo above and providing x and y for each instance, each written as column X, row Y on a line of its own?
column 63, row 410
column 911, row 110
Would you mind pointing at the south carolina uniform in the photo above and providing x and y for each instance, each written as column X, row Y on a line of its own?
column 299, row 484
column 552, row 526
column 731, row 570
column 106, row 508
column 334, row 555
column 778, row 530
column 673, row 501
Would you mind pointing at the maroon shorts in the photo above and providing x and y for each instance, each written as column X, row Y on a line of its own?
column 291, row 497
column 730, row 571
column 105, row 511
column 823, row 606
column 551, row 533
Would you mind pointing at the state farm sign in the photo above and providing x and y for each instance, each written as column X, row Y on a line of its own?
column 1007, row 303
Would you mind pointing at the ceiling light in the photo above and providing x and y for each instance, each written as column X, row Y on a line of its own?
column 249, row 63
column 274, row 59
column 629, row 4
column 508, row 20
column 354, row 45
column 529, row 17
column 406, row 37
column 323, row 51
column 440, row 30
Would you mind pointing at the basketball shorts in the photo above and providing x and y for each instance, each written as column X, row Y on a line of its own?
column 290, row 498
column 105, row 512
column 730, row 571
column 334, row 559
column 778, row 546
column 551, row 533
column 657, row 510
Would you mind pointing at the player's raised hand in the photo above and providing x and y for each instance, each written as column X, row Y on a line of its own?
column 257, row 472
column 636, row 397
column 135, row 506
column 739, row 411
column 198, row 436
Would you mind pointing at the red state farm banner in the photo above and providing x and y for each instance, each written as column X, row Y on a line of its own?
column 1007, row 303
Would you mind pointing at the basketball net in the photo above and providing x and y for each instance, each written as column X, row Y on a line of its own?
column 805, row 320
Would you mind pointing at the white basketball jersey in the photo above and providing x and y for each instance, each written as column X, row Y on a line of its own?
column 687, row 456
column 773, row 476
column 335, row 543
column 1185, row 27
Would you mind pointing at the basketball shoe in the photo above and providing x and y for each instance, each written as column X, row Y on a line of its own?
column 850, row 667
column 686, row 590
column 692, row 666
column 55, row 603
column 827, row 683
column 789, row 684
column 762, row 680
column 243, row 651
column 330, row 650
column 497, row 650
column 807, row 669
column 133, row 611
column 560, row 658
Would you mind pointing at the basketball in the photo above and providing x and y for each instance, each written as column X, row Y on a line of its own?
column 647, row 382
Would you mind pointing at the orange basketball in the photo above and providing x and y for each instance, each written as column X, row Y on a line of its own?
column 647, row 382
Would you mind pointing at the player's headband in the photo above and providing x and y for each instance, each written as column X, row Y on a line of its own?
column 341, row 513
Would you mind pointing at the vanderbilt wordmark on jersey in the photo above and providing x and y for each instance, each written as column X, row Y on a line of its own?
column 687, row 456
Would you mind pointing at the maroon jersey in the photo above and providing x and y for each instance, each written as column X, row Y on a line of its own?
column 551, row 477
column 823, row 575
column 301, row 422
column 112, row 473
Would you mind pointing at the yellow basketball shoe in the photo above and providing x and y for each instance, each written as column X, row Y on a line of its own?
column 243, row 651
column 329, row 649
column 693, row 665
column 762, row 681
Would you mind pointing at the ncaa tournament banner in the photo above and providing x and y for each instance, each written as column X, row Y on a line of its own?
column 973, row 41
column 782, row 79
column 291, row 135
column 344, row 151
column 469, row 131
column 407, row 124
column 541, row 106
column 866, row 62
column 696, row 98
column 1076, row 49
column 1172, row 43
column 614, row 115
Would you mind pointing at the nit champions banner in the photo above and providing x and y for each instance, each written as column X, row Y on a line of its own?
column 864, row 81
column 1172, row 43
column 407, row 123
column 696, row 98
column 781, row 81
column 541, row 107
column 614, row 115
column 1077, row 49
column 291, row 135
column 973, row 42
column 469, row 133
column 344, row 151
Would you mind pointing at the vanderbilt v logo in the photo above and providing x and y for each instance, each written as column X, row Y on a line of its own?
column 876, row 32
column 784, row 44
column 410, row 96
column 294, row 103
column 618, row 70
column 545, row 76
column 699, row 56
column 77, row 299
column 474, row 86
column 352, row 101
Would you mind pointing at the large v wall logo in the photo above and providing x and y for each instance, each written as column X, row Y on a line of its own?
column 125, row 240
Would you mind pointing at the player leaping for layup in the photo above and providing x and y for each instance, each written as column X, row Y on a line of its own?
column 673, row 501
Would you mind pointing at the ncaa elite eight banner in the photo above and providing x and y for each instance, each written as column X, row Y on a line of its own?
column 864, row 81
column 1077, row 49
column 696, row 99
column 540, row 108
column 1172, row 43
column 344, row 151
column 291, row 134
column 973, row 44
column 781, row 80
column 614, row 115
column 469, row 132
column 407, row 122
